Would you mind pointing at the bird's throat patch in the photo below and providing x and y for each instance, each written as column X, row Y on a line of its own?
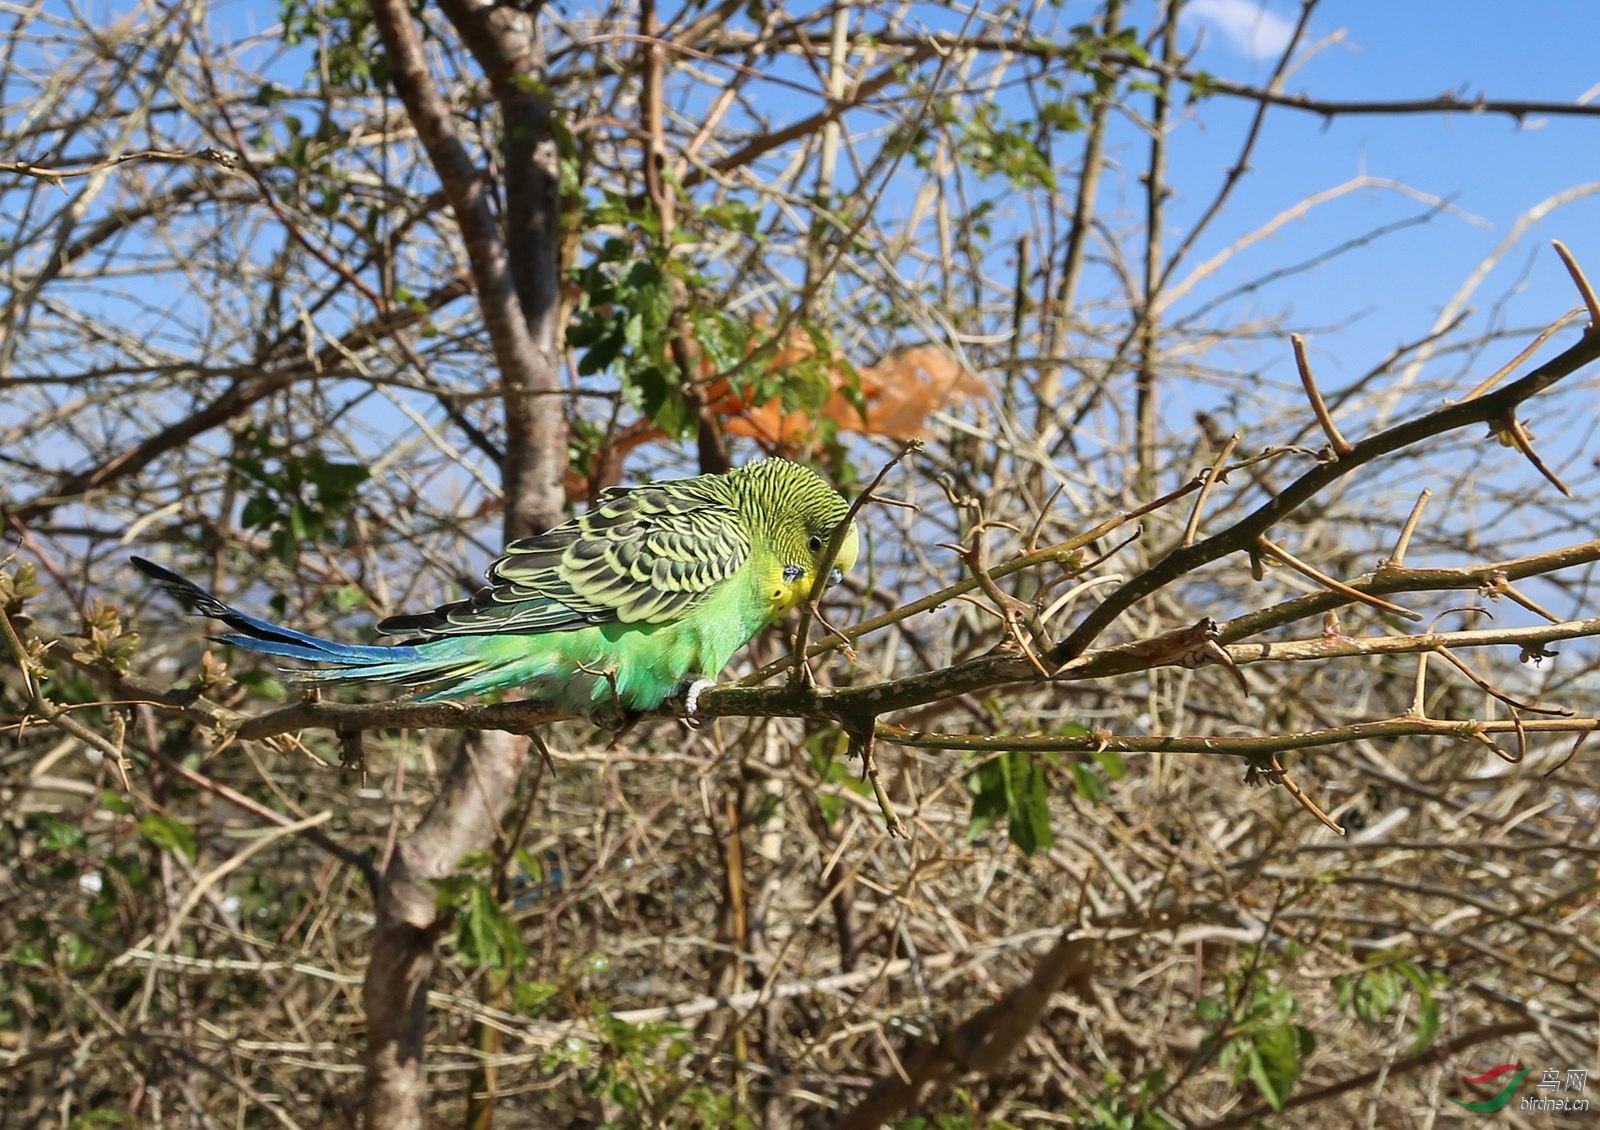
column 788, row 588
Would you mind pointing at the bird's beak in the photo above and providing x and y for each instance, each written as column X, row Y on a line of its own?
column 835, row 576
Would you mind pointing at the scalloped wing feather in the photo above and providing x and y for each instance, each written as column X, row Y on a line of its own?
column 645, row 554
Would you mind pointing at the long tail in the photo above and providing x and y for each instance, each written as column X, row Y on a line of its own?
column 408, row 665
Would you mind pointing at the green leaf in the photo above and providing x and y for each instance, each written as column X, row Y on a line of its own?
column 724, row 339
column 530, row 864
column 830, row 806
column 1030, row 806
column 585, row 330
column 1427, row 1004
column 485, row 936
column 1062, row 115
column 58, row 835
column 732, row 214
column 600, row 355
column 1087, row 783
column 480, row 936
column 528, row 84
column 1275, row 1058
column 259, row 512
column 988, row 785
column 844, row 775
column 643, row 275
column 336, row 481
column 1111, row 764
column 1012, row 784
column 169, row 835
column 1427, row 1024
column 1375, row 995
column 663, row 402
column 263, row 682
column 633, row 332
column 529, row 997
column 1212, row 1012
column 766, row 809
column 448, row 891
column 79, row 951
column 18, row 586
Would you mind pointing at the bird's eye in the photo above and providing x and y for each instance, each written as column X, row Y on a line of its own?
column 814, row 543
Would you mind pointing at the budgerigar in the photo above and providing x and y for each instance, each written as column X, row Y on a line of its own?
column 645, row 595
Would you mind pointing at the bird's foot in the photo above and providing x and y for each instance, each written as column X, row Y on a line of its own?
column 614, row 718
column 692, row 691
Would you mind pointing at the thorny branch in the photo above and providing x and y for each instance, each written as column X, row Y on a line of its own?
column 830, row 554
column 1156, row 845
column 56, row 174
column 1073, row 660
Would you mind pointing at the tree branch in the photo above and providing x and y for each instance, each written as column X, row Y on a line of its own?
column 517, row 296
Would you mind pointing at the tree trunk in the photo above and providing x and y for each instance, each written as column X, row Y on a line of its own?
column 515, row 273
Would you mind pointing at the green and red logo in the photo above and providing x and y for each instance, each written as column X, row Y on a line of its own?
column 1503, row 1099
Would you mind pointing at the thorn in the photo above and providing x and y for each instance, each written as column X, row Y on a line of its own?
column 1273, row 549
column 1511, row 432
column 1341, row 446
column 1582, row 283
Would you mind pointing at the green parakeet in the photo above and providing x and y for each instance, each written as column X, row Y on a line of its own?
column 645, row 595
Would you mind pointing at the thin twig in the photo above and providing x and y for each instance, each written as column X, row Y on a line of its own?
column 863, row 742
column 1489, row 689
column 208, row 155
column 1207, row 484
column 1303, row 799
column 819, row 583
column 52, row 713
column 1577, row 744
column 1500, row 585
column 1526, row 352
column 1419, row 689
column 1403, row 542
column 361, row 861
column 1408, row 725
column 1273, row 549
column 1340, row 445
column 1581, row 281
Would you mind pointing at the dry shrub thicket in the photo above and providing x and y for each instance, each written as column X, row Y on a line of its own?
column 297, row 331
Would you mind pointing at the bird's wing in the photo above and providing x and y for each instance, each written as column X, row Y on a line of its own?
column 643, row 554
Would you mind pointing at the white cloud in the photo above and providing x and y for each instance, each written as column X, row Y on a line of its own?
column 1246, row 26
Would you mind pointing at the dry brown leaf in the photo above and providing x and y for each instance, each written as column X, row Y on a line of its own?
column 899, row 393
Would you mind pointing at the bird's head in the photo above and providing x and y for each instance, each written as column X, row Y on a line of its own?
column 800, row 513
column 817, row 540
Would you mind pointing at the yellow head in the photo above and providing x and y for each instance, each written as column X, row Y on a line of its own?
column 794, row 513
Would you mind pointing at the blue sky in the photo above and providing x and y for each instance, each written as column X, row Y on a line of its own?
column 1491, row 169
column 1356, row 308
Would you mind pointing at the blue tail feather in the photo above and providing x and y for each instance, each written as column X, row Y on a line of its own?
column 315, row 649
column 365, row 662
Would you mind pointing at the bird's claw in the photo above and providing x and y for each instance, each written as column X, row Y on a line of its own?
column 691, row 701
